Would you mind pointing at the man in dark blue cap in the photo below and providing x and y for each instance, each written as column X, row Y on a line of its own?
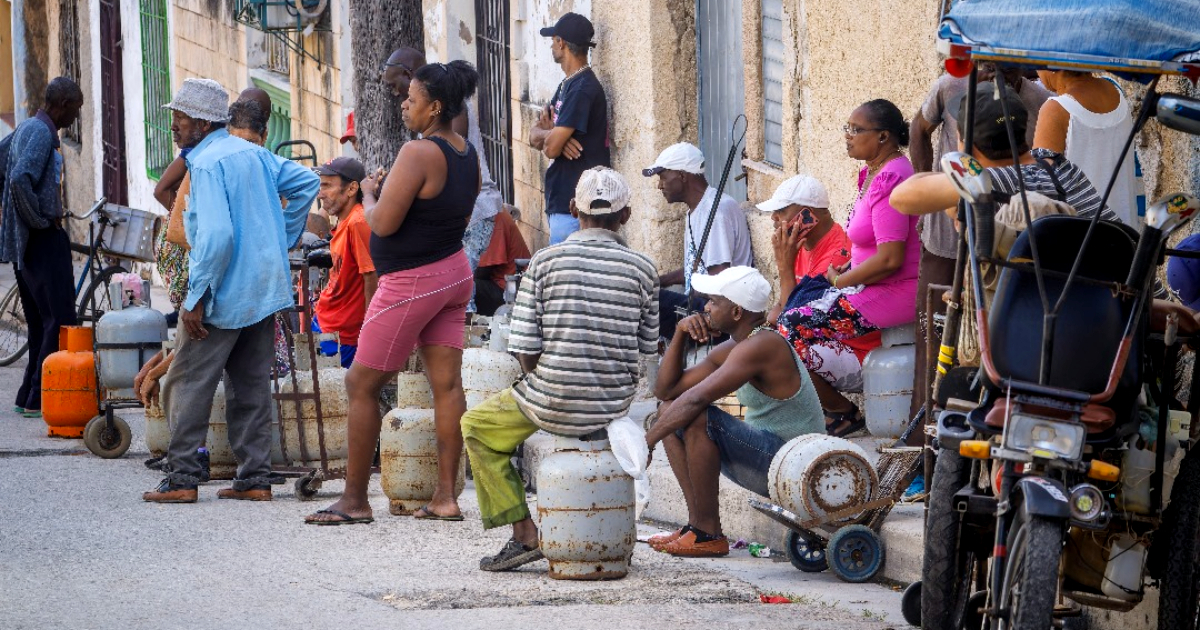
column 573, row 128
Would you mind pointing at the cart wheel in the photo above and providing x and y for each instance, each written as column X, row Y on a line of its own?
column 805, row 552
column 105, row 442
column 855, row 553
column 910, row 604
column 307, row 487
column 972, row 617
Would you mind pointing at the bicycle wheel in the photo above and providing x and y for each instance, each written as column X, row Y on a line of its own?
column 94, row 302
column 14, row 330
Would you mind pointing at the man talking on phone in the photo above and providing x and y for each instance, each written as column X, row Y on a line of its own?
column 807, row 241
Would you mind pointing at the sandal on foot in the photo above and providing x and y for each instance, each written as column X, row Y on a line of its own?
column 658, row 541
column 844, row 423
column 426, row 513
column 513, row 555
column 342, row 519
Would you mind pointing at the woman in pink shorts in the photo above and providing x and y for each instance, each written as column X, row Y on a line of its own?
column 425, row 282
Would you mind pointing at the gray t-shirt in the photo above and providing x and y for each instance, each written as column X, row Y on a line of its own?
column 728, row 242
column 937, row 229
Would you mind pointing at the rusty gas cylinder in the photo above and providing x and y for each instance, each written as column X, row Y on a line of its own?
column 486, row 373
column 332, row 425
column 408, row 460
column 69, row 398
column 817, row 475
column 585, row 507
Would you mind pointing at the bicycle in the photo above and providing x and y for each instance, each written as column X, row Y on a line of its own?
column 92, row 301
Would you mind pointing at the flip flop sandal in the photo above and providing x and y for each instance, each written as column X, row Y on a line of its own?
column 854, row 417
column 343, row 519
column 430, row 515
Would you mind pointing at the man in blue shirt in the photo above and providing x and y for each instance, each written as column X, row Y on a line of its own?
column 32, row 237
column 238, row 279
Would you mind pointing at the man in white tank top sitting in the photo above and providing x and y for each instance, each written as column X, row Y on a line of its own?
column 701, row 440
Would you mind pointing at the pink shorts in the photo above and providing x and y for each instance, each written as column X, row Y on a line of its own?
column 426, row 306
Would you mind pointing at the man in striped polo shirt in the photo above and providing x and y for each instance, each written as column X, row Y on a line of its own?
column 587, row 308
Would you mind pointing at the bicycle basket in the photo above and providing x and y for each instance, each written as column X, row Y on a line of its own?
column 133, row 234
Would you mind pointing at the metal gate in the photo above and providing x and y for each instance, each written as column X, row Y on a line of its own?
column 495, row 103
column 722, row 86
column 112, row 110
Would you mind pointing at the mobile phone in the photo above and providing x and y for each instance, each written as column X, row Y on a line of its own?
column 806, row 217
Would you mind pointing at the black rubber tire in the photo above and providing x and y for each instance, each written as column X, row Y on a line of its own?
column 910, row 604
column 1075, row 623
column 946, row 570
column 855, row 553
column 105, row 442
column 94, row 300
column 307, row 488
column 1179, row 602
column 14, row 330
column 973, row 618
column 1030, row 583
column 805, row 553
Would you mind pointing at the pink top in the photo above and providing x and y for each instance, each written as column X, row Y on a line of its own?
column 893, row 300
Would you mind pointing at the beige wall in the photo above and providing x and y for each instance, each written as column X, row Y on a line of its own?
column 208, row 44
column 316, row 97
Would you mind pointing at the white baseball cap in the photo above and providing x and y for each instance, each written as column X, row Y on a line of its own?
column 601, row 184
column 678, row 157
column 802, row 190
column 743, row 286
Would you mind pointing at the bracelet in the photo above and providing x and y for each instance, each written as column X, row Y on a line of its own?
column 836, row 277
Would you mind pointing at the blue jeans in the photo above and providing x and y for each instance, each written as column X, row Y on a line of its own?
column 746, row 452
column 561, row 226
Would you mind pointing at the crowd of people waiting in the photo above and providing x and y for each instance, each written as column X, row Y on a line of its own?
column 417, row 246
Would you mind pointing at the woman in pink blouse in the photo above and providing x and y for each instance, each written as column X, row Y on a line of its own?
column 878, row 289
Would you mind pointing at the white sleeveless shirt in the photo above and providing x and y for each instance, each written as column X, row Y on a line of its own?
column 1094, row 143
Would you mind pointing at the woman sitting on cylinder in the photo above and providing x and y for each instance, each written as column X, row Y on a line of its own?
column 417, row 224
column 834, row 332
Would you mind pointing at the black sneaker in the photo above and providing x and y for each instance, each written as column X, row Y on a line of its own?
column 513, row 555
column 205, row 468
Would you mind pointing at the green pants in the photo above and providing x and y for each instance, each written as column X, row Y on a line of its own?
column 492, row 432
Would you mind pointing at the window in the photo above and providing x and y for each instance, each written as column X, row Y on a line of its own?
column 772, row 76
column 156, row 84
column 68, row 44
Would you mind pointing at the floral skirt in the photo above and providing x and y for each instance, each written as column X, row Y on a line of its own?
column 819, row 331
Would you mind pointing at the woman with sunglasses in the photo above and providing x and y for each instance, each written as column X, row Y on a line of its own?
column 878, row 288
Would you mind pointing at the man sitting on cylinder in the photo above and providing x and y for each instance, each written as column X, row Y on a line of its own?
column 701, row 440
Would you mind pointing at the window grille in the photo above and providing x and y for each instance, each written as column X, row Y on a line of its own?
column 772, row 71
column 68, row 18
column 156, row 83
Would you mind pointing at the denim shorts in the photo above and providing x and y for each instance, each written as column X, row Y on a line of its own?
column 746, row 452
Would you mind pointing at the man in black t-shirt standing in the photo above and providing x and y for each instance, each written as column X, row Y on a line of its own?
column 573, row 128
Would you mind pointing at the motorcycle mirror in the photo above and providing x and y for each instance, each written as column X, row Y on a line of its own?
column 1171, row 212
column 1180, row 113
column 973, row 183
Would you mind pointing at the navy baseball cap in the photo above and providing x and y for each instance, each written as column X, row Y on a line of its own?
column 1183, row 274
column 573, row 28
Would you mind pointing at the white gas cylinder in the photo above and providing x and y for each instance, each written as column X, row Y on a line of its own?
column 586, row 511
column 815, row 474
column 888, row 382
column 412, row 391
column 408, row 460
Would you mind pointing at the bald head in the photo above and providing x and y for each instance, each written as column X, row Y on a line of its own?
column 257, row 95
column 399, row 69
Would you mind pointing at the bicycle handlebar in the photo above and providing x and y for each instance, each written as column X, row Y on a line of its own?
column 95, row 208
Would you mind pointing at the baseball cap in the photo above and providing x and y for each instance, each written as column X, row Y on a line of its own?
column 990, row 130
column 573, row 28
column 347, row 167
column 1183, row 274
column 349, row 134
column 802, row 190
column 678, row 157
column 601, row 184
column 743, row 286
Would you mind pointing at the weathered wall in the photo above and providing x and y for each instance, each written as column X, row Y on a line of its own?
column 316, row 91
column 209, row 44
column 449, row 30
column 82, row 160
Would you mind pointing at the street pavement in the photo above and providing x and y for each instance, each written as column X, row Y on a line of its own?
column 79, row 550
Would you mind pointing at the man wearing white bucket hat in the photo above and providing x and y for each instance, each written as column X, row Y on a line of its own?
column 238, row 279
column 701, row 440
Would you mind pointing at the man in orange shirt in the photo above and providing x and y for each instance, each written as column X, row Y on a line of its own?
column 342, row 305
column 807, row 241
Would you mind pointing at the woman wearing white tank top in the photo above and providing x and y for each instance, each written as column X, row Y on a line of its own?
column 1088, row 122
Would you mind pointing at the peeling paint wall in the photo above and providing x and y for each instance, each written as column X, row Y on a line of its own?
column 208, row 43
column 449, row 30
column 316, row 94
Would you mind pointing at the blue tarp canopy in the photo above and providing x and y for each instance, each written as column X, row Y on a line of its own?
column 1131, row 36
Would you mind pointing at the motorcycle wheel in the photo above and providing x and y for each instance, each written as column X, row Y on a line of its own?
column 1031, row 573
column 1179, row 604
column 946, row 571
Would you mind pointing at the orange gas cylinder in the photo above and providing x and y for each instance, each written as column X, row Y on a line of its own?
column 69, row 384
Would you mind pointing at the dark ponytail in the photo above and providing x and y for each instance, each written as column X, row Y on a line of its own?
column 449, row 83
column 884, row 115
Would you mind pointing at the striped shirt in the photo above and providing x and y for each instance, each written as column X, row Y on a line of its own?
column 588, row 306
column 1080, row 193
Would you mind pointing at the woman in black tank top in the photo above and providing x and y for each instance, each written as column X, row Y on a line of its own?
column 417, row 224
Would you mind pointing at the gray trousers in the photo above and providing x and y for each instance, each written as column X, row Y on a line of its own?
column 246, row 355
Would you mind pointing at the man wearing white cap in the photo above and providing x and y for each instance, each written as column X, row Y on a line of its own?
column 585, row 312
column 680, row 170
column 238, row 279
column 701, row 440
column 807, row 241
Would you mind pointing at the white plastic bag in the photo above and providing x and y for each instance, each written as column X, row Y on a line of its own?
column 628, row 441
